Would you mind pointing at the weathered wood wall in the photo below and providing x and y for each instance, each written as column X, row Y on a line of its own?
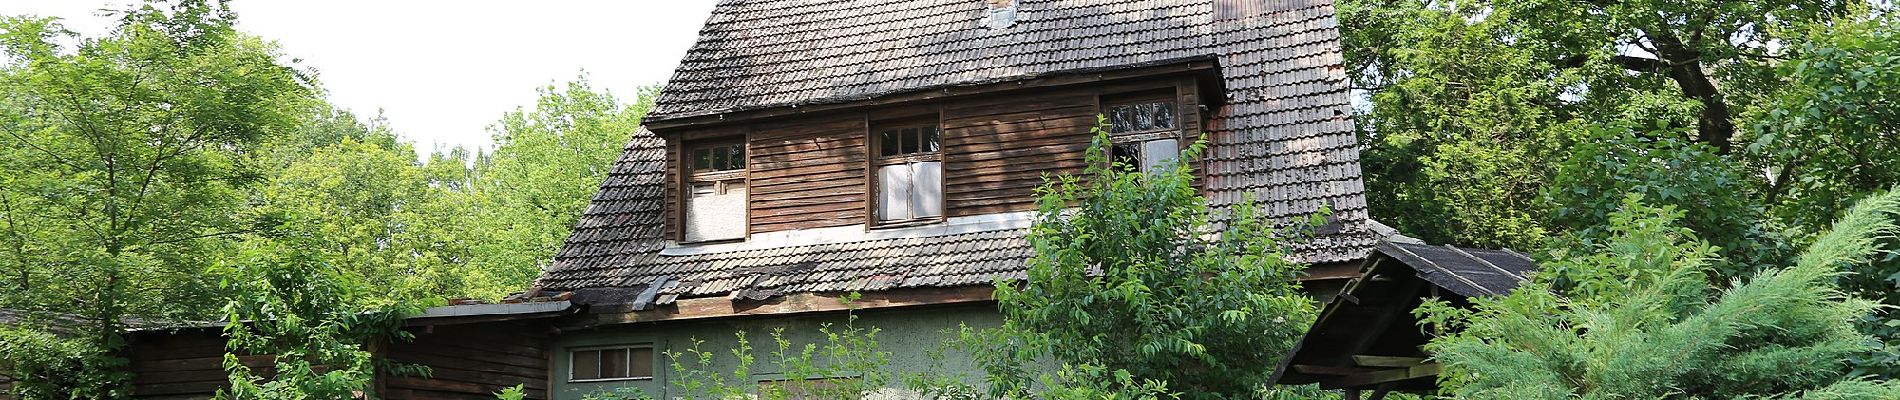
column 187, row 364
column 472, row 361
column 808, row 173
column 811, row 171
column 469, row 361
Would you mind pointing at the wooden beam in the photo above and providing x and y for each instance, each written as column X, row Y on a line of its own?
column 1330, row 271
column 1387, row 361
column 1381, row 376
column 797, row 303
column 1329, row 370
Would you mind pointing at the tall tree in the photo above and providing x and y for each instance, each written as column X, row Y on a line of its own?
column 547, row 163
column 123, row 159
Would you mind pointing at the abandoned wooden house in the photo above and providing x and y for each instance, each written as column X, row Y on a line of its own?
column 809, row 148
column 806, row 149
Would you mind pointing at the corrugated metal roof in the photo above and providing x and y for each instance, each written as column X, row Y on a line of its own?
column 1468, row 272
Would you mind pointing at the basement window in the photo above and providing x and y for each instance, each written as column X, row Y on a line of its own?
column 908, row 162
column 1145, row 130
column 716, row 191
column 610, row 363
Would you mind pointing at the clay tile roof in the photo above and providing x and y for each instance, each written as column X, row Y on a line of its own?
column 1283, row 135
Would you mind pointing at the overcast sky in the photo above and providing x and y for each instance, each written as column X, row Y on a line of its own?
column 441, row 71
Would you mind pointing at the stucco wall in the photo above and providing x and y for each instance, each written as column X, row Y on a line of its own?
column 909, row 335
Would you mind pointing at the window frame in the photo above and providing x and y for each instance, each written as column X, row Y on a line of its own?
column 875, row 158
column 1137, row 138
column 689, row 177
column 1109, row 102
column 652, row 353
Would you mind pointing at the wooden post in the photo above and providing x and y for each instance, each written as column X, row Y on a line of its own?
column 1351, row 394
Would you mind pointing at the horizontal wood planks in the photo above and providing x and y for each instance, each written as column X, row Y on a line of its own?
column 811, row 171
column 472, row 361
column 468, row 361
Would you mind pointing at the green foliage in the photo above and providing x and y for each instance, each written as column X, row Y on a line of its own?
column 527, row 194
column 1510, row 123
column 849, row 364
column 518, row 392
column 304, row 313
column 1136, row 294
column 1636, row 317
column 47, row 366
column 123, row 165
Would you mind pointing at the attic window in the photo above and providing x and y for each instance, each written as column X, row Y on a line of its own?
column 908, row 164
column 716, row 191
column 1001, row 14
column 1145, row 129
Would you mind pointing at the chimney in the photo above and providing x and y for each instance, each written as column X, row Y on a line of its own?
column 1001, row 15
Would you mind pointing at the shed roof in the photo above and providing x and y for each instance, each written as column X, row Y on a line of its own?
column 1282, row 135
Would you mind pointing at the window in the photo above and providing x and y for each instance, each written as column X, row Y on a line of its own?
column 909, row 166
column 716, row 191
column 1145, row 131
column 605, row 363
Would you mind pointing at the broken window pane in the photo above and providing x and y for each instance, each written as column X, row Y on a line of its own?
column 909, row 137
column 1118, row 119
column 1164, row 115
column 1125, row 155
column 887, row 143
column 930, row 139
column 1141, row 117
column 737, row 160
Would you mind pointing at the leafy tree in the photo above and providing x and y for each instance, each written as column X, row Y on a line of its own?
column 123, row 162
column 1509, row 123
column 1131, row 290
column 302, row 312
column 1635, row 317
column 1471, row 101
column 546, row 165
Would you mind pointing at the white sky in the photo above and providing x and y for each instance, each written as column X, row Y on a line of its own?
column 442, row 71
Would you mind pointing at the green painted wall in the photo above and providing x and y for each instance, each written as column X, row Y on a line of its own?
column 909, row 335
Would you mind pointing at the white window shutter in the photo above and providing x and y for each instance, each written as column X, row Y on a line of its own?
column 711, row 215
column 926, row 191
column 894, row 186
column 1156, row 154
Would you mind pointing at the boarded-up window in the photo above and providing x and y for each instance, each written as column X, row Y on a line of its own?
column 909, row 168
column 716, row 192
column 620, row 362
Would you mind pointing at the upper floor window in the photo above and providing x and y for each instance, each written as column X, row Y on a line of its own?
column 1145, row 131
column 909, row 166
column 716, row 191
column 610, row 363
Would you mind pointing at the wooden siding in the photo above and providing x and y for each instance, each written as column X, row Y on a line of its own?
column 808, row 173
column 811, row 171
column 472, row 361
